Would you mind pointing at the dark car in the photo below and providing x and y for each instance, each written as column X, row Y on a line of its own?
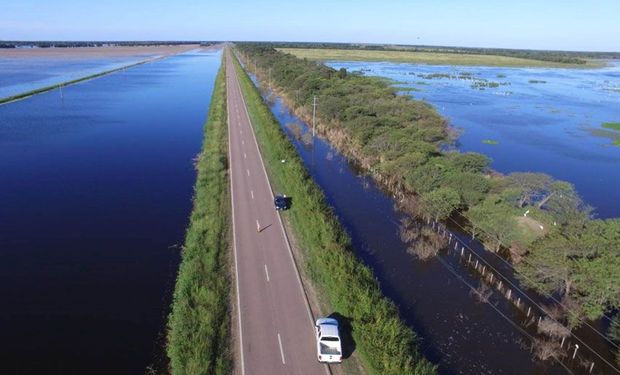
column 282, row 202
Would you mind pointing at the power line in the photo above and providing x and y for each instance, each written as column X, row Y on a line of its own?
column 583, row 320
column 536, row 304
column 515, row 325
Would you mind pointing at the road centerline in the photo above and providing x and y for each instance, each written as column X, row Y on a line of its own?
column 281, row 349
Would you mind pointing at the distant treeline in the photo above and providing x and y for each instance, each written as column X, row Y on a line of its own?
column 564, row 57
column 61, row 44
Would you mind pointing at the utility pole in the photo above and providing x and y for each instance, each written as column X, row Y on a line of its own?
column 313, row 117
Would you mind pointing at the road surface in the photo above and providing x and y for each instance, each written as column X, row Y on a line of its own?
column 274, row 323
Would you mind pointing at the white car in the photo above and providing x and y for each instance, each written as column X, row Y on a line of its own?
column 328, row 345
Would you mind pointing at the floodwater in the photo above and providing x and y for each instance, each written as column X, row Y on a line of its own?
column 95, row 197
column 543, row 120
column 19, row 75
column 459, row 334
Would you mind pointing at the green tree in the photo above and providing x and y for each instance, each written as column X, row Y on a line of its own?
column 342, row 73
column 494, row 222
column 583, row 265
column 471, row 187
column 531, row 186
column 440, row 203
column 470, row 162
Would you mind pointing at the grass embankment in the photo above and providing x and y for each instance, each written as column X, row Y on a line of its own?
column 198, row 326
column 385, row 344
column 71, row 82
column 431, row 58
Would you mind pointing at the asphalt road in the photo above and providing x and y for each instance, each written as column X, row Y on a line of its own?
column 274, row 323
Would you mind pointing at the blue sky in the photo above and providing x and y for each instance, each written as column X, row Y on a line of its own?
column 540, row 24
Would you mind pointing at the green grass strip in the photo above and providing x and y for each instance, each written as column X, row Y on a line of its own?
column 384, row 343
column 199, row 324
column 41, row 90
column 612, row 125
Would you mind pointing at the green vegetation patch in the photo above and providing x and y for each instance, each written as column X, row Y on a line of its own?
column 426, row 57
column 385, row 344
column 612, row 125
column 490, row 142
column 199, row 324
column 608, row 132
column 535, row 81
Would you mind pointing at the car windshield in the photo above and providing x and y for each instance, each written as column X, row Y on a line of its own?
column 329, row 338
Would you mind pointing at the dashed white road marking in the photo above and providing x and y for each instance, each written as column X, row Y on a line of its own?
column 281, row 350
column 252, row 193
column 248, row 172
column 242, row 142
column 267, row 273
column 245, row 156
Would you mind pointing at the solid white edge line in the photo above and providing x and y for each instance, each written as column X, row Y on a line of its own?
column 281, row 349
column 232, row 202
column 267, row 273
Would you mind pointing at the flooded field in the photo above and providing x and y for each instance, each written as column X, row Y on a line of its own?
column 526, row 119
column 95, row 190
column 26, row 69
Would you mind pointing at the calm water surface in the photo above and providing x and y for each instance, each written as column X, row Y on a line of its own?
column 545, row 120
column 95, row 194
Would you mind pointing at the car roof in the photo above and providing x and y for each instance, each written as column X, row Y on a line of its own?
column 329, row 330
column 329, row 326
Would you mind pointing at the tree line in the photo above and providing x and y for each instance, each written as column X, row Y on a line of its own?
column 550, row 234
